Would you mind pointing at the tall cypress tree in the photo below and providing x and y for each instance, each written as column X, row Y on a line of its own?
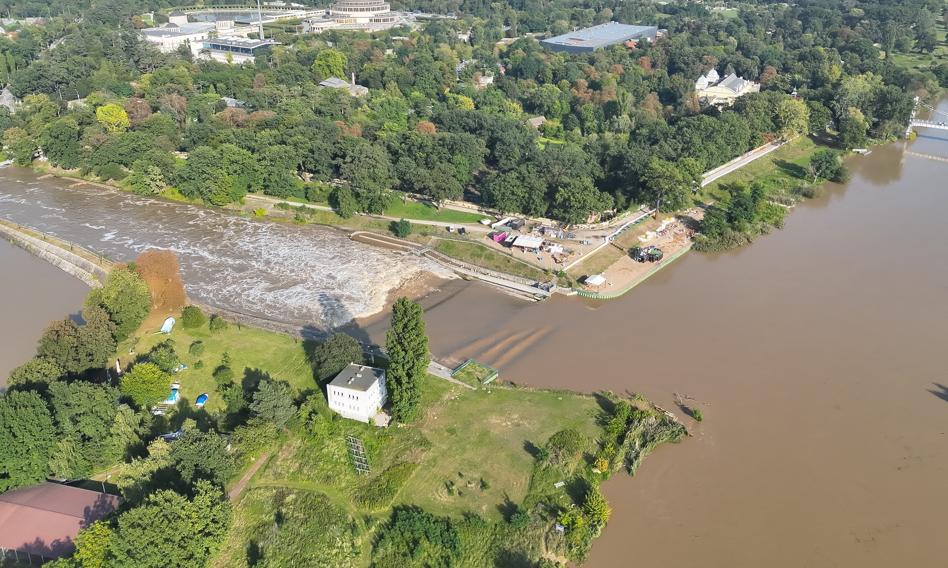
column 407, row 346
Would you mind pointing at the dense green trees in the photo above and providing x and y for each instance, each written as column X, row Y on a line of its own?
column 427, row 129
column 273, row 402
column 27, row 436
column 334, row 354
column 146, row 384
column 84, row 414
column 171, row 530
column 125, row 298
column 202, row 455
column 77, row 349
column 406, row 345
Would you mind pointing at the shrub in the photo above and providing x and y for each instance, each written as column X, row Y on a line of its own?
column 401, row 228
column 164, row 356
column 696, row 414
column 217, row 323
column 343, row 202
column 111, row 172
column 145, row 384
column 260, row 212
column 198, row 365
column 192, row 317
column 254, row 436
column 416, row 534
column 196, row 348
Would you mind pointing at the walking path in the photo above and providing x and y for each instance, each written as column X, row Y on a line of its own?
column 470, row 227
column 739, row 162
column 239, row 487
column 521, row 286
column 438, row 370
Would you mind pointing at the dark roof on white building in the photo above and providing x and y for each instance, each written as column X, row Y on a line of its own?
column 358, row 377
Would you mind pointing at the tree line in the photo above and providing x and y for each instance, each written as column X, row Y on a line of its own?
column 623, row 126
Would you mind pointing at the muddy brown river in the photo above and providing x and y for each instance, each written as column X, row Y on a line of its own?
column 817, row 356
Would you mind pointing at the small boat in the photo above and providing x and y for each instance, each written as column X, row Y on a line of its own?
column 201, row 400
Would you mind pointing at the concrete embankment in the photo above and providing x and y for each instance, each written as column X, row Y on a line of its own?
column 515, row 285
column 84, row 265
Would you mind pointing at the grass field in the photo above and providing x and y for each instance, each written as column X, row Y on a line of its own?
column 424, row 212
column 471, row 451
column 486, row 435
column 281, row 356
column 779, row 172
column 917, row 60
column 486, row 257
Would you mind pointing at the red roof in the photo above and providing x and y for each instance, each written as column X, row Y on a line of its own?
column 45, row 519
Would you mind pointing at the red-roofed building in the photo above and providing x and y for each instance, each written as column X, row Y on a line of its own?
column 43, row 520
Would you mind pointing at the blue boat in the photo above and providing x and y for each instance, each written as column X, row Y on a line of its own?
column 201, row 400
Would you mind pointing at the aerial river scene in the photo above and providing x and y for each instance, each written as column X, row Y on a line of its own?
column 816, row 354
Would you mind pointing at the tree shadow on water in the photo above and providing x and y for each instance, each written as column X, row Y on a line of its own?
column 940, row 390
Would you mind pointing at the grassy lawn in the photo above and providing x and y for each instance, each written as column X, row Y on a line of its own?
column 424, row 212
column 282, row 356
column 485, row 435
column 779, row 171
column 486, row 257
column 919, row 60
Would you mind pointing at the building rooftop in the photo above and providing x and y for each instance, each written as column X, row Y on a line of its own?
column 45, row 519
column 239, row 42
column 600, row 36
column 358, row 377
column 172, row 30
column 733, row 82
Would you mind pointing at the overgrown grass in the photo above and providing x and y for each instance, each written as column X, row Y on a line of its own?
column 485, row 257
column 412, row 210
column 780, row 172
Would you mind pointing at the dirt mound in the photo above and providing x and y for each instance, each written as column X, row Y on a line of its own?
column 160, row 270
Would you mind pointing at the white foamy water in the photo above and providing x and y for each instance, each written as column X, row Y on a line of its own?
column 302, row 275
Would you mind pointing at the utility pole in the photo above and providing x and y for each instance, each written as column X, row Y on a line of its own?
column 260, row 19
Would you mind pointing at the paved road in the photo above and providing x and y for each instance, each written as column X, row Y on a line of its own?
column 470, row 227
column 739, row 162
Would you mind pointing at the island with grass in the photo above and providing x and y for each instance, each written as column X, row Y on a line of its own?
column 222, row 445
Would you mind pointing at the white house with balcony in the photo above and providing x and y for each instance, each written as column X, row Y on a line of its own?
column 358, row 392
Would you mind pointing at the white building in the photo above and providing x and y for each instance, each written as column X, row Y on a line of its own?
column 713, row 90
column 173, row 35
column 358, row 392
column 368, row 15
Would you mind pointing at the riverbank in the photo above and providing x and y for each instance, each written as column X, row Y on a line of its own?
column 487, row 454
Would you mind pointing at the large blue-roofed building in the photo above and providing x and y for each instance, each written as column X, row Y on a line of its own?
column 590, row 39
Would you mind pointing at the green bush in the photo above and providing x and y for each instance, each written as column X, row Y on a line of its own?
column 196, row 348
column 217, row 323
column 401, row 228
column 696, row 414
column 192, row 317
column 164, row 356
column 198, row 365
